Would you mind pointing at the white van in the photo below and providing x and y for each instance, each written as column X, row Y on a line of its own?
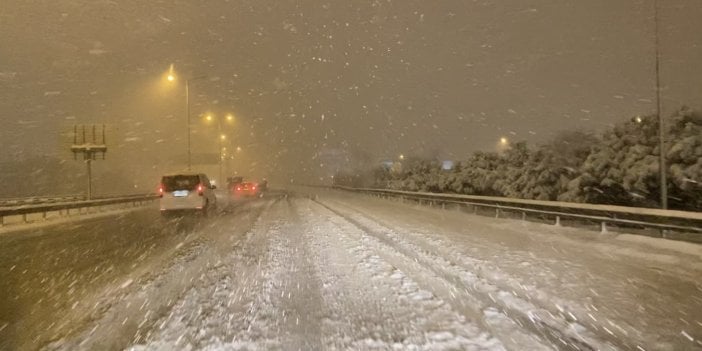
column 187, row 192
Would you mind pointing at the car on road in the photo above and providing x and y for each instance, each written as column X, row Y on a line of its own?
column 186, row 192
column 263, row 185
column 232, row 182
column 247, row 189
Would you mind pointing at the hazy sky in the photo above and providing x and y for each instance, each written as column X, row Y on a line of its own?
column 378, row 78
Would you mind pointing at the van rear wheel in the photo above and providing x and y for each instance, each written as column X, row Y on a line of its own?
column 205, row 209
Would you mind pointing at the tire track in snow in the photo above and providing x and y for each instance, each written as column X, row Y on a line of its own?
column 374, row 305
column 487, row 298
column 126, row 313
column 261, row 297
column 563, row 286
column 300, row 301
column 228, row 307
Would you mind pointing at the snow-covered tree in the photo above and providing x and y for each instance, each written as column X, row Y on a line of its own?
column 553, row 165
column 511, row 168
column 684, row 159
column 478, row 175
column 622, row 169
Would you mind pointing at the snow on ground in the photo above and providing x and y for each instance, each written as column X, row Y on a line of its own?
column 377, row 306
column 252, row 300
column 228, row 307
column 630, row 295
column 300, row 282
column 339, row 272
column 662, row 244
column 36, row 221
column 125, row 311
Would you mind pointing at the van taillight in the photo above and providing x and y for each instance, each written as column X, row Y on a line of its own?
column 160, row 190
column 200, row 189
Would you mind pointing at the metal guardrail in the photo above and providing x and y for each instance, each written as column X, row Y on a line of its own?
column 26, row 209
column 604, row 215
column 6, row 202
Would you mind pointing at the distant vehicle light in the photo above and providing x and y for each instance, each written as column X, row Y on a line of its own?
column 200, row 189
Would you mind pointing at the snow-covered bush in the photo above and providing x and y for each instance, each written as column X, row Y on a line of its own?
column 620, row 167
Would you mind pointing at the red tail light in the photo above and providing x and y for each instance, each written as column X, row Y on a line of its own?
column 253, row 187
column 160, row 190
column 238, row 188
column 200, row 189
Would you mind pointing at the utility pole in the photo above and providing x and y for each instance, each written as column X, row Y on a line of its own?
column 220, row 136
column 661, row 122
column 187, row 113
column 89, row 149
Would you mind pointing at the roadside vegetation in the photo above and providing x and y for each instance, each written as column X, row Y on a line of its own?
column 619, row 166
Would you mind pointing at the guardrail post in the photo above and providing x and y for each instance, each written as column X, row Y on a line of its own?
column 558, row 221
column 2, row 221
column 603, row 227
column 497, row 213
column 24, row 218
column 524, row 216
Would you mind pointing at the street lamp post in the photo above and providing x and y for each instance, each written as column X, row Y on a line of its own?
column 221, row 146
column 171, row 77
column 661, row 123
column 187, row 112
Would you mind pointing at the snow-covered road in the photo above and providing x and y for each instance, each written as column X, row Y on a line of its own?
column 324, row 270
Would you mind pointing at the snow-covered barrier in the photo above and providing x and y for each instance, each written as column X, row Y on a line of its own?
column 5, row 202
column 666, row 222
column 32, row 212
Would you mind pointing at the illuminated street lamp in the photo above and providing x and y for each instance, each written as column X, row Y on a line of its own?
column 504, row 141
column 402, row 157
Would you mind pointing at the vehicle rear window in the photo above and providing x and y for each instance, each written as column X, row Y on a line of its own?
column 180, row 182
